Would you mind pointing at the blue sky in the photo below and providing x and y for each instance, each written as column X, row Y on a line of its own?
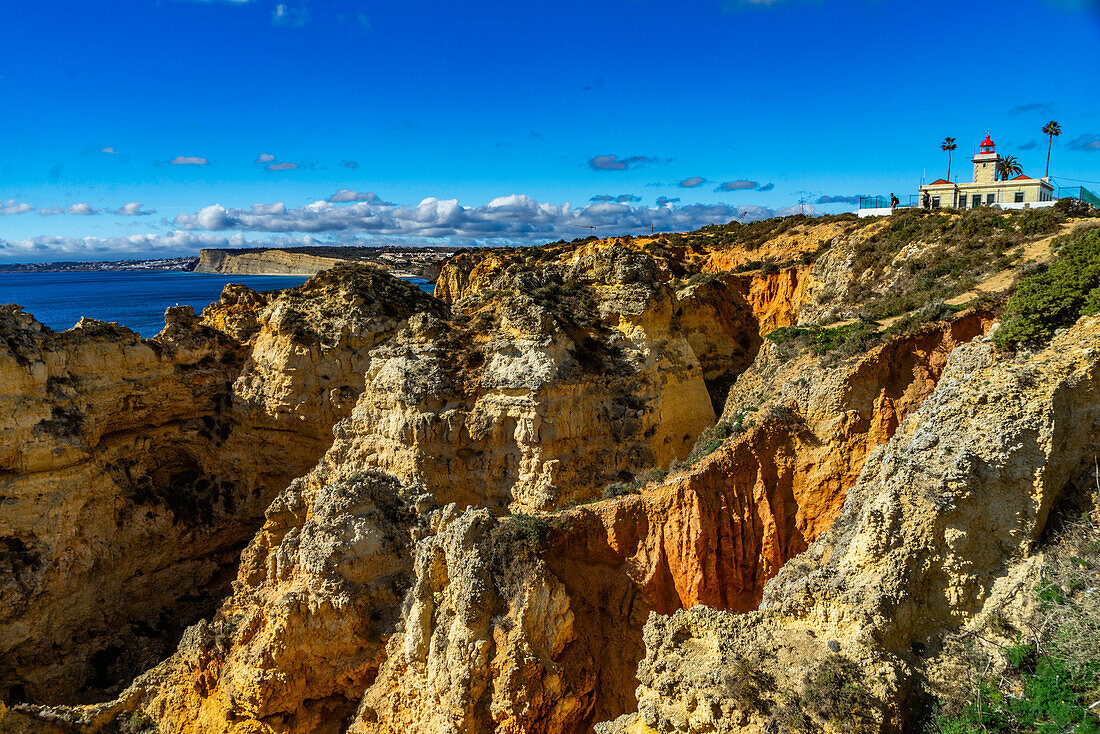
column 144, row 128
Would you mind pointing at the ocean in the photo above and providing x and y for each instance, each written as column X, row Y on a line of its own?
column 133, row 298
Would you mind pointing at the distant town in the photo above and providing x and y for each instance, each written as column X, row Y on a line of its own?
column 73, row 266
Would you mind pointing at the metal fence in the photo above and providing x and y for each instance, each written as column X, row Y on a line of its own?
column 883, row 202
column 1079, row 192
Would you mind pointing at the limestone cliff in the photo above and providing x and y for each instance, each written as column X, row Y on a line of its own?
column 408, row 492
column 134, row 471
column 264, row 262
column 568, row 379
column 992, row 448
column 115, row 504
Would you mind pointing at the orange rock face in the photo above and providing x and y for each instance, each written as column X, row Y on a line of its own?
column 775, row 297
column 716, row 534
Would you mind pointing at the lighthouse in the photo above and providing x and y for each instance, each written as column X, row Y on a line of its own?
column 985, row 162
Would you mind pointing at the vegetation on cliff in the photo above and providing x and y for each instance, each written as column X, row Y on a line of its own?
column 1045, row 677
column 1057, row 295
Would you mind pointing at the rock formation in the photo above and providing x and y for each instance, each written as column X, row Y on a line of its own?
column 134, row 471
column 905, row 562
column 381, row 511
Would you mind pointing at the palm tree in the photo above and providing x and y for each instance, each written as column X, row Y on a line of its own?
column 948, row 144
column 1009, row 167
column 1052, row 129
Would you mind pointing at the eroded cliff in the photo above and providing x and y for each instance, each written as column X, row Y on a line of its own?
column 135, row 471
column 993, row 448
column 443, row 560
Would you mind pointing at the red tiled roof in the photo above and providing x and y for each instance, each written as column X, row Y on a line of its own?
column 939, row 181
column 1022, row 177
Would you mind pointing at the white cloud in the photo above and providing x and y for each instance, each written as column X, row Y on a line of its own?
column 277, row 208
column 189, row 160
column 284, row 166
column 213, row 217
column 346, row 195
column 137, row 246
column 264, row 158
column 109, row 150
column 81, row 209
column 11, row 206
column 133, row 209
column 516, row 217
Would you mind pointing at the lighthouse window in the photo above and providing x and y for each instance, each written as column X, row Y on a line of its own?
column 1018, row 197
column 935, row 202
column 976, row 200
column 990, row 198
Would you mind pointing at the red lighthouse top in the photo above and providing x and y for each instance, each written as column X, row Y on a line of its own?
column 986, row 146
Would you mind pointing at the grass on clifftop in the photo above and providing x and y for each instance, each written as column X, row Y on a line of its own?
column 1055, row 296
column 943, row 254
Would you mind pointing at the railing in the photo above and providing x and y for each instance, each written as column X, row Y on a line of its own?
column 1078, row 192
column 873, row 202
column 883, row 202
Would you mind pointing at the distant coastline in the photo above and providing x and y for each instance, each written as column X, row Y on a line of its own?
column 402, row 262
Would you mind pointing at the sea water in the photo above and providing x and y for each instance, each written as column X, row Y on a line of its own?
column 133, row 298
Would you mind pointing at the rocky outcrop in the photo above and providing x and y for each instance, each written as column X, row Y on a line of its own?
column 301, row 637
column 134, row 471
column 991, row 448
column 312, row 347
column 237, row 312
column 555, row 381
column 485, row 644
column 115, row 506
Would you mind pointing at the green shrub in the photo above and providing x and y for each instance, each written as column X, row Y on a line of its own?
column 746, row 684
column 1074, row 208
column 1056, row 296
column 137, row 722
column 1050, row 701
column 786, row 333
column 700, row 279
column 1039, row 221
column 518, row 539
column 822, row 340
column 1020, row 656
column 931, row 312
column 618, row 489
column 834, row 693
column 710, row 439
